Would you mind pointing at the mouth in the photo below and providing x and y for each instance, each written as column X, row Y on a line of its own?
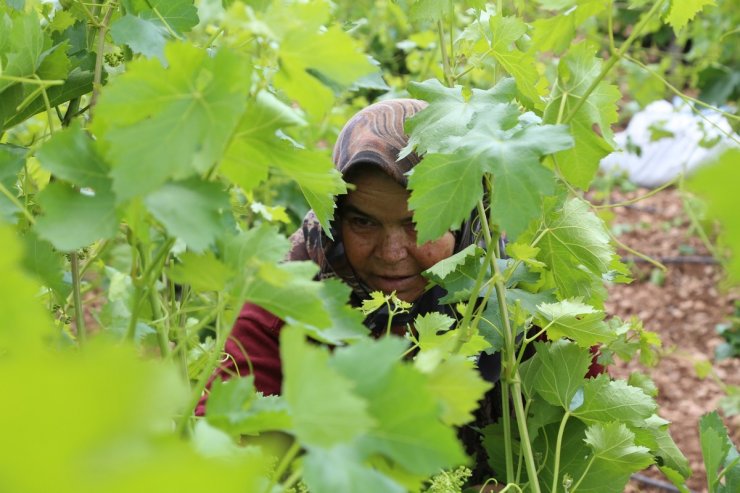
column 394, row 283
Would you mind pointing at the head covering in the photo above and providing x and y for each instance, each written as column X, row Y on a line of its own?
column 373, row 137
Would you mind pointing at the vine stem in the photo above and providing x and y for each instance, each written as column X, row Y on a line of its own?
column 291, row 454
column 558, row 448
column 98, row 74
column 79, row 315
column 615, row 58
column 678, row 92
column 10, row 196
column 638, row 199
column 445, row 57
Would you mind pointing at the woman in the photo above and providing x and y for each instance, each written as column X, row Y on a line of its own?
column 374, row 246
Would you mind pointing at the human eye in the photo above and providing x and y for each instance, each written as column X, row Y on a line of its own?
column 360, row 222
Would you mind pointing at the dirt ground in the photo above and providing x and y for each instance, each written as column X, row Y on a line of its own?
column 683, row 306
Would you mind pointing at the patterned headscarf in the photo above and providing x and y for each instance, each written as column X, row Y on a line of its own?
column 373, row 137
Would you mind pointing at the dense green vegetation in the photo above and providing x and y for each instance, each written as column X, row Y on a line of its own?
column 155, row 153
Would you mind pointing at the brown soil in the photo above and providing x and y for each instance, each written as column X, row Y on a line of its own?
column 683, row 309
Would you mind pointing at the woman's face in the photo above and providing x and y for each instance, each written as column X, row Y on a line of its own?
column 380, row 240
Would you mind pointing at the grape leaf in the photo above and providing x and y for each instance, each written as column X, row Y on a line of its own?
column 177, row 15
column 556, row 33
column 170, row 123
column 142, row 36
column 715, row 445
column 714, row 184
column 341, row 468
column 577, row 70
column 74, row 220
column 606, row 401
column 289, row 291
column 429, row 10
column 682, row 11
column 316, row 176
column 191, row 210
column 324, row 408
column 12, row 159
column 202, row 272
column 572, row 237
column 46, row 264
column 575, row 320
column 23, row 44
column 235, row 407
column 594, row 473
column 562, row 368
column 331, row 52
column 73, row 156
column 250, row 154
column 24, row 321
column 458, row 387
column 444, row 191
column 505, row 32
column 346, row 322
column 434, row 334
column 407, row 428
column 449, row 113
column 512, row 156
column 457, row 273
column 615, row 443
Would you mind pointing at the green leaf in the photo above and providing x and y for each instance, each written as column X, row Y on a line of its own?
column 324, row 407
column 12, row 159
column 668, row 454
column 73, row 156
column 346, row 322
column 46, row 264
column 430, row 10
column 556, row 33
column 562, row 370
column 289, row 291
column 331, row 52
column 434, row 334
column 458, row 387
column 407, row 426
column 21, row 48
column 341, row 468
column 714, row 184
column 202, row 272
column 54, row 63
column 77, row 83
column 505, row 31
column 513, row 155
column 606, row 401
column 190, row 210
column 261, row 243
column 73, row 220
column 615, row 443
column 25, row 322
column 715, row 446
column 142, row 36
column 577, row 459
column 162, row 123
column 682, row 11
column 577, row 70
column 449, row 113
column 572, row 237
column 235, row 407
column 179, row 15
column 316, row 176
column 575, row 320
column 444, row 191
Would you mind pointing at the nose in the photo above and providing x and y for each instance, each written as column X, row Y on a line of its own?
column 394, row 246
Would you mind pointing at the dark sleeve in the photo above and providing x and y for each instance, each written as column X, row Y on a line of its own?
column 255, row 337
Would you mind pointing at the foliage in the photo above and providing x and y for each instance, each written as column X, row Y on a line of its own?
column 153, row 154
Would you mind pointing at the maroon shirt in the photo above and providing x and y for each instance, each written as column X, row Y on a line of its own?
column 255, row 337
